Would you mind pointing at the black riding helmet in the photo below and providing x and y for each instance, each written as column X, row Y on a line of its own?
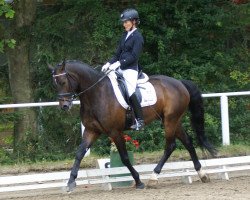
column 130, row 14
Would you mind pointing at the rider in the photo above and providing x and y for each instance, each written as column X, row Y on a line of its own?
column 126, row 57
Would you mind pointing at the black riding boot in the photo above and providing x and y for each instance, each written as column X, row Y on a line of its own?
column 139, row 124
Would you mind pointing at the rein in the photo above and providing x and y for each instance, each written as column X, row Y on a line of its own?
column 90, row 87
column 75, row 95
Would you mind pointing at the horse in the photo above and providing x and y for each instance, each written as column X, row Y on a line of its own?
column 97, row 102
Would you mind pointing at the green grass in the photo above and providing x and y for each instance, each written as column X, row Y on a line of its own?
column 140, row 158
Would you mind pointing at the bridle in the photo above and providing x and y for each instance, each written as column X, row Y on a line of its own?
column 73, row 95
column 62, row 96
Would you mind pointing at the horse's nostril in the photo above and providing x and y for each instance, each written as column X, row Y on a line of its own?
column 65, row 107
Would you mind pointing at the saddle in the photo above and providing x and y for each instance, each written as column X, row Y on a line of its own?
column 142, row 78
column 145, row 93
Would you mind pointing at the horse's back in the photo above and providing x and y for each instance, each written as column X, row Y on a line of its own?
column 171, row 93
column 168, row 83
column 163, row 78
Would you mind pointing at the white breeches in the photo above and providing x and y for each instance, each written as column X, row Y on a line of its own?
column 130, row 77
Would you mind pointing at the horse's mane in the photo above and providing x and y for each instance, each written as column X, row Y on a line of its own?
column 81, row 64
column 76, row 61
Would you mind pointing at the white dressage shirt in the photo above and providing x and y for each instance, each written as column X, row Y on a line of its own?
column 129, row 33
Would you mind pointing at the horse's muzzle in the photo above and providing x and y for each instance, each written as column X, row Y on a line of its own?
column 66, row 105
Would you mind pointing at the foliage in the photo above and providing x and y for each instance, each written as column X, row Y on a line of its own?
column 5, row 157
column 8, row 12
column 239, row 120
column 201, row 40
column 6, row 9
column 152, row 138
column 197, row 40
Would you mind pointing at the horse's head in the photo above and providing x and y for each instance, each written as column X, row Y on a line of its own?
column 65, row 85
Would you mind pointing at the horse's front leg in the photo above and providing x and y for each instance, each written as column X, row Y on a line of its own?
column 88, row 138
column 121, row 146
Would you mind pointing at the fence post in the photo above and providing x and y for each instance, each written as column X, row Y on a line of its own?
column 224, row 120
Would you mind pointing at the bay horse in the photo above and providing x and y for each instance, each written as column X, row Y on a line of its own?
column 101, row 113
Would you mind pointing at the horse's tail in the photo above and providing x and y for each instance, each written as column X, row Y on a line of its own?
column 197, row 116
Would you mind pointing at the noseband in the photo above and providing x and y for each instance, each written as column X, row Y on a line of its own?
column 63, row 96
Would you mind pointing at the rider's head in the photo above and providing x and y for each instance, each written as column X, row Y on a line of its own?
column 130, row 19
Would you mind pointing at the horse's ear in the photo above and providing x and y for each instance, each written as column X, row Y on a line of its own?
column 63, row 64
column 51, row 68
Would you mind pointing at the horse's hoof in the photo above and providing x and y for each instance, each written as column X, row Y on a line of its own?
column 205, row 179
column 203, row 176
column 71, row 186
column 152, row 183
column 140, row 186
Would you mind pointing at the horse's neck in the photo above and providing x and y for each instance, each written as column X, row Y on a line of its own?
column 96, row 93
column 89, row 82
column 85, row 75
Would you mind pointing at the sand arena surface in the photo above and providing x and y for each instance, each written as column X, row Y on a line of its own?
column 238, row 187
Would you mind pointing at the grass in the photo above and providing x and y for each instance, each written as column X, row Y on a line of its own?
column 140, row 158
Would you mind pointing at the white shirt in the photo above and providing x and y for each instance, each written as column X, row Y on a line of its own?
column 129, row 33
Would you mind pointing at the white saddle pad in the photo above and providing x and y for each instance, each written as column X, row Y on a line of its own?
column 147, row 91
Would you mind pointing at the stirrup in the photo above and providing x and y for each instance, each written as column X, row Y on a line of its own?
column 139, row 125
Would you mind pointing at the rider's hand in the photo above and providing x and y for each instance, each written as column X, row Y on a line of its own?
column 105, row 67
column 115, row 65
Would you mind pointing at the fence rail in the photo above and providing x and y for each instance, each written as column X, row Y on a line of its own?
column 105, row 176
column 223, row 101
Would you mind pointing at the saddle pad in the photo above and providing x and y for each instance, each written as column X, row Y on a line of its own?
column 147, row 91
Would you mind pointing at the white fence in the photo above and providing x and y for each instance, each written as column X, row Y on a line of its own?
column 223, row 101
column 105, row 176
column 224, row 112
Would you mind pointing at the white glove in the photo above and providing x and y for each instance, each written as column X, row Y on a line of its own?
column 105, row 67
column 115, row 65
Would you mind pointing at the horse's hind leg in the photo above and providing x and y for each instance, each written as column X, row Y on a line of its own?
column 170, row 126
column 121, row 146
column 187, row 142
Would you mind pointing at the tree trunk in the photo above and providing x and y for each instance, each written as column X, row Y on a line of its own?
column 19, row 69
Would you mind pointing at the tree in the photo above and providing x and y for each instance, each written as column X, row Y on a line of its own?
column 20, row 68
